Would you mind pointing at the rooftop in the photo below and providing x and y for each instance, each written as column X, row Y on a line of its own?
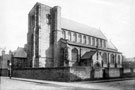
column 88, row 55
column 20, row 53
column 81, row 28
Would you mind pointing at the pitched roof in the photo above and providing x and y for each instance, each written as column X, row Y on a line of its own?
column 88, row 55
column 78, row 27
column 110, row 45
column 20, row 52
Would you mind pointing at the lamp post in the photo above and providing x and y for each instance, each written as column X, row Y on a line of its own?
column 10, row 70
column 11, row 65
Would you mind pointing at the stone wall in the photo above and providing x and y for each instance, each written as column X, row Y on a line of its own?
column 80, row 73
column 3, row 72
column 114, row 72
column 55, row 74
column 68, row 73
column 98, row 73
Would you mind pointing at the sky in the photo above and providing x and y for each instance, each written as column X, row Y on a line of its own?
column 115, row 18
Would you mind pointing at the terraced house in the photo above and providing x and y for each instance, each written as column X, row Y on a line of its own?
column 54, row 41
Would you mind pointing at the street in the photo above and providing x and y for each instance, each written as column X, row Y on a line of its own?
column 29, row 84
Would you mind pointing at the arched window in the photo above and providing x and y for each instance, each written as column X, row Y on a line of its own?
column 74, row 54
column 112, row 59
column 105, row 58
column 118, row 59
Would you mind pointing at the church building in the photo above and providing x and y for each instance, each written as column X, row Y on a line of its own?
column 54, row 41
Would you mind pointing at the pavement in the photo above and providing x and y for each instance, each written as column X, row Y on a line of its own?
column 80, row 84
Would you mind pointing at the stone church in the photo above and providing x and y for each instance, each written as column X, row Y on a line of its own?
column 54, row 41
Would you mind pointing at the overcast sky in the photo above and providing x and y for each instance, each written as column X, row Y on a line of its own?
column 115, row 18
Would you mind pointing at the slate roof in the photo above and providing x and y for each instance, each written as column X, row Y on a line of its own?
column 20, row 53
column 88, row 55
column 81, row 28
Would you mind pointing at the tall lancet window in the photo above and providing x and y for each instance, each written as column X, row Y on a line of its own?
column 74, row 37
column 89, row 40
column 84, row 39
column 79, row 38
column 93, row 39
column 69, row 35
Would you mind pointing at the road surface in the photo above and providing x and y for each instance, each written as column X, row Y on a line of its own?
column 26, row 84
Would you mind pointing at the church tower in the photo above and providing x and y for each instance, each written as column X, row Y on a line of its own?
column 44, row 32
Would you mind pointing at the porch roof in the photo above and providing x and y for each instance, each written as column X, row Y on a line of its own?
column 88, row 55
